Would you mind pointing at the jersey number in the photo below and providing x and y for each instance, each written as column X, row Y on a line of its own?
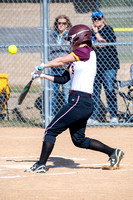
column 72, row 69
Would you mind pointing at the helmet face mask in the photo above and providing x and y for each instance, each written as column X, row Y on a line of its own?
column 79, row 34
column 71, row 37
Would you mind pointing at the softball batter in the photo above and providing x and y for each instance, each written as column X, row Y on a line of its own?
column 81, row 71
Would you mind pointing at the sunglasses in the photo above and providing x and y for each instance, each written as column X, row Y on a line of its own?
column 96, row 18
column 63, row 23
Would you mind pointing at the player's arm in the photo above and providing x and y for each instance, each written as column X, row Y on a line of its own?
column 64, row 78
column 57, row 62
column 46, row 76
column 60, row 61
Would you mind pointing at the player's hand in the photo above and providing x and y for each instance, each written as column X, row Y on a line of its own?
column 39, row 68
column 35, row 75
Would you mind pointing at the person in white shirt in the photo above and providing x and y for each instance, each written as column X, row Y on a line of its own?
column 81, row 71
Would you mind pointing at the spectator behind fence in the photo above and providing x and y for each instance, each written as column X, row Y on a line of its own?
column 60, row 47
column 107, row 67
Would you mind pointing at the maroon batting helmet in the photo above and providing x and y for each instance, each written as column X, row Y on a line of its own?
column 79, row 34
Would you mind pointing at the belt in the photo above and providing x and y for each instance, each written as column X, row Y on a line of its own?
column 85, row 94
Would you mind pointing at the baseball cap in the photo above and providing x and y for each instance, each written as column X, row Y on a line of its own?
column 97, row 15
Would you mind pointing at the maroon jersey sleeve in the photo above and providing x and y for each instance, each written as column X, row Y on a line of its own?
column 82, row 53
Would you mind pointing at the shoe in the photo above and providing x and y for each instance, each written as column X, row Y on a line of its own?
column 92, row 121
column 116, row 157
column 114, row 120
column 37, row 167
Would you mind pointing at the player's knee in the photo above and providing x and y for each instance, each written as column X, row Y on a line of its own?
column 81, row 142
column 76, row 140
column 77, row 144
column 49, row 138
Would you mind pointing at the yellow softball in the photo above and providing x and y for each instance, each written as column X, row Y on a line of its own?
column 12, row 49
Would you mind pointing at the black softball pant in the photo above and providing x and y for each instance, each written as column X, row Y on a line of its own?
column 74, row 116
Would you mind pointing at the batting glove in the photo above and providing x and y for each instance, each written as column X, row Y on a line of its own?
column 35, row 75
column 39, row 68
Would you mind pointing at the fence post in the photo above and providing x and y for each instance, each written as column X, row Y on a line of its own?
column 45, row 54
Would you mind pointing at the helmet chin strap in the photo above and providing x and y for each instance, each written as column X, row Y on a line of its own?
column 74, row 43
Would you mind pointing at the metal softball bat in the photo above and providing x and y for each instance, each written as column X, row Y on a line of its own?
column 24, row 92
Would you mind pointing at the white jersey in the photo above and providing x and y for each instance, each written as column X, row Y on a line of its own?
column 83, row 71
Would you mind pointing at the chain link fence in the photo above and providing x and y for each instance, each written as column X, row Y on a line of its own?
column 23, row 23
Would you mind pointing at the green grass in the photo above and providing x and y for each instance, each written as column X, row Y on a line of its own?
column 118, row 3
column 120, row 22
column 19, row 88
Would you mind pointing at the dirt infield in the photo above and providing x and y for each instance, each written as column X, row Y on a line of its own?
column 72, row 173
